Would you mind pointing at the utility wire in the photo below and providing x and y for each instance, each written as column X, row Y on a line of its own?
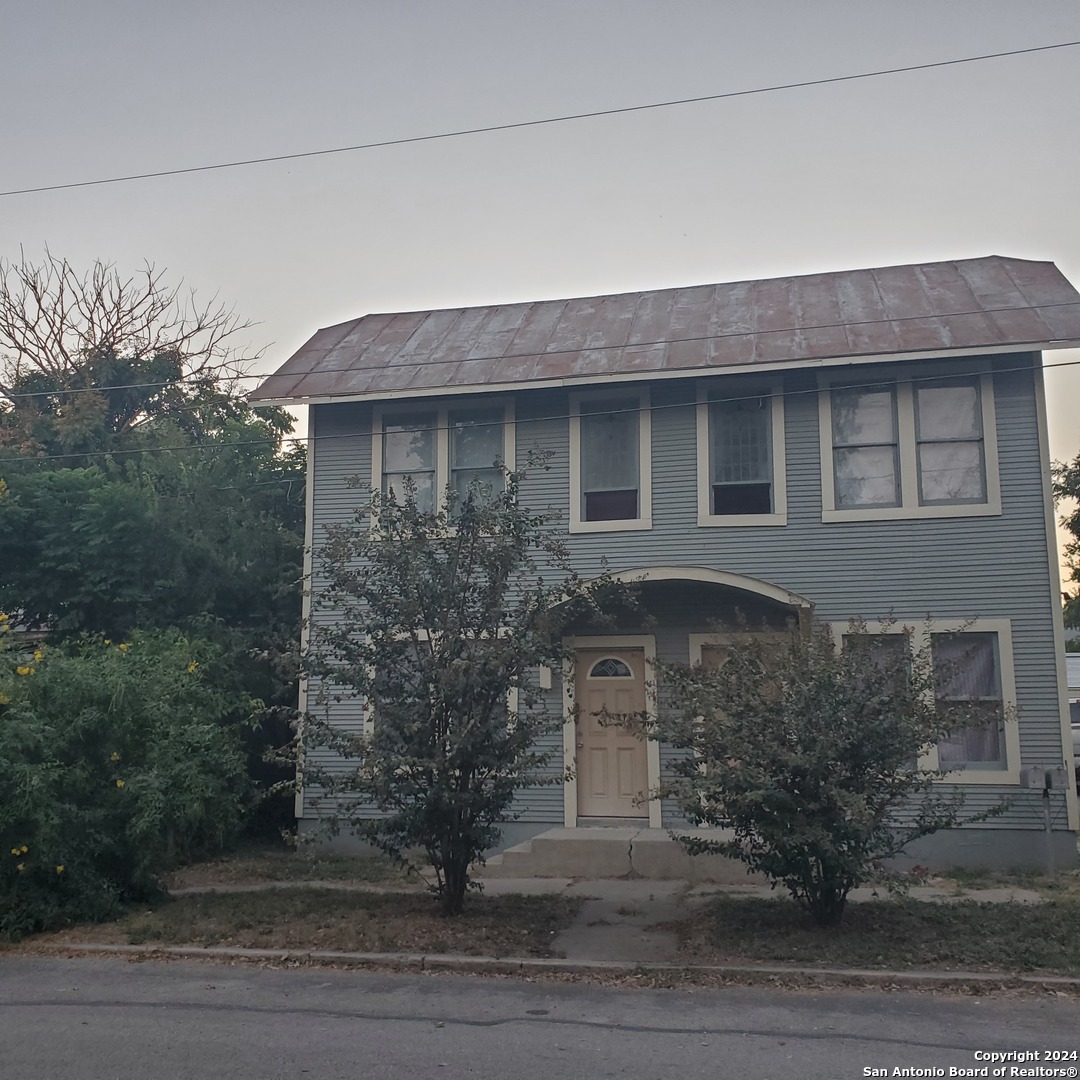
column 310, row 439
column 432, row 362
column 538, row 123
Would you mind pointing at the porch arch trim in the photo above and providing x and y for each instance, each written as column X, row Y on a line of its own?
column 716, row 577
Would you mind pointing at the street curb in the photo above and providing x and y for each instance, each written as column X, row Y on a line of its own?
column 441, row 962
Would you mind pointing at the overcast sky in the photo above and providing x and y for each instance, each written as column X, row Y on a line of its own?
column 953, row 162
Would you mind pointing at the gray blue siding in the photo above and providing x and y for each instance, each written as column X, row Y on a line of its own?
column 947, row 568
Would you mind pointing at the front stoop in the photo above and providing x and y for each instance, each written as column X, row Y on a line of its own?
column 597, row 853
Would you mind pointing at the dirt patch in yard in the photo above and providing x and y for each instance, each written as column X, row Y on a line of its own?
column 350, row 921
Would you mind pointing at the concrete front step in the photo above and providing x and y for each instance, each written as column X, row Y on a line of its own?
column 596, row 853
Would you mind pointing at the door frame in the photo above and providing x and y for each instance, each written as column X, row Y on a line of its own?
column 647, row 643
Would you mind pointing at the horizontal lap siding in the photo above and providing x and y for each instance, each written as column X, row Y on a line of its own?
column 948, row 568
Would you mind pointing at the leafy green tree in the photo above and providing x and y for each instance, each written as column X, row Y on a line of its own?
column 138, row 489
column 808, row 753
column 1067, row 490
column 120, row 760
column 437, row 622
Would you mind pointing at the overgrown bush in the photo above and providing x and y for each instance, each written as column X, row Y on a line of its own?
column 119, row 761
column 809, row 754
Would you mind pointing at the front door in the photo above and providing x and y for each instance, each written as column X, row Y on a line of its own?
column 612, row 770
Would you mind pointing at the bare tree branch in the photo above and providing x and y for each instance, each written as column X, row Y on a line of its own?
column 52, row 319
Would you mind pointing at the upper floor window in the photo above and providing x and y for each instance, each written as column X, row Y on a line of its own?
column 460, row 448
column 866, row 449
column 610, row 462
column 408, row 445
column 949, row 443
column 741, row 466
column 477, row 451
column 910, row 448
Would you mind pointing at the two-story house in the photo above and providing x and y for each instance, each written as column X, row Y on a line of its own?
column 868, row 444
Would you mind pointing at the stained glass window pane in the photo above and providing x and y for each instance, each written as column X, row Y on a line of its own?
column 610, row 668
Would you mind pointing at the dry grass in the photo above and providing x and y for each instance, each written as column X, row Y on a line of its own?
column 256, row 867
column 339, row 919
column 891, row 934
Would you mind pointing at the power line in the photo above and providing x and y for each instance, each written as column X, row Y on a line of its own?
column 538, row 123
column 432, row 362
column 310, row 439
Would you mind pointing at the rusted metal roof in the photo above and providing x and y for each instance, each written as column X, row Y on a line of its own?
column 993, row 303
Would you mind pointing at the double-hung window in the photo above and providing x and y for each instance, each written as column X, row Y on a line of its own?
column 968, row 671
column 915, row 447
column 463, row 448
column 610, row 470
column 949, row 443
column 740, row 453
column 476, row 452
column 866, row 457
column 408, row 457
column 973, row 670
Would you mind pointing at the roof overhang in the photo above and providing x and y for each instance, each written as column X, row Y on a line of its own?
column 757, row 368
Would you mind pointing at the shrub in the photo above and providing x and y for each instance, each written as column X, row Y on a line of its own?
column 119, row 762
column 809, row 754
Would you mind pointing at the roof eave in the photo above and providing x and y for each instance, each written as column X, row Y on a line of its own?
column 663, row 374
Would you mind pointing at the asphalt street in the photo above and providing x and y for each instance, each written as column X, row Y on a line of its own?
column 109, row 1019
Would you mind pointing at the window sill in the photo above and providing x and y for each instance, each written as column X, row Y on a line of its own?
column 990, row 777
column 912, row 513
column 710, row 521
column 622, row 525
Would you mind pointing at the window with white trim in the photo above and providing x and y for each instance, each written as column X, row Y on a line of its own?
column 408, row 455
column 968, row 670
column 610, row 468
column 973, row 667
column 463, row 448
column 866, row 449
column 741, row 464
column 910, row 448
column 476, row 452
column 949, row 443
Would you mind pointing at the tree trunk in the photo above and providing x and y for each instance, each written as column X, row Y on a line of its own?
column 455, row 882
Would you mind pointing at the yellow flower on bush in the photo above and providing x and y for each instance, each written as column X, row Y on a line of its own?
column 60, row 868
column 108, row 641
column 123, row 646
column 192, row 666
column 114, row 756
column 3, row 616
column 119, row 783
column 4, row 699
column 21, row 867
column 16, row 851
column 23, row 850
column 38, row 655
column 24, row 669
